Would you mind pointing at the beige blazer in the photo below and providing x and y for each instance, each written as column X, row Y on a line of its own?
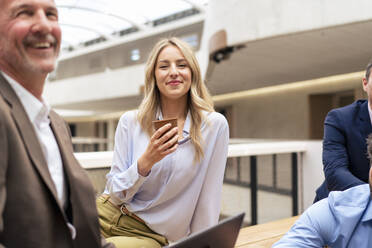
column 30, row 215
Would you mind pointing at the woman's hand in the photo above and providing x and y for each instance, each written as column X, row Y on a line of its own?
column 162, row 143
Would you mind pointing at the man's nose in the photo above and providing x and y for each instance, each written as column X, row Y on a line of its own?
column 41, row 24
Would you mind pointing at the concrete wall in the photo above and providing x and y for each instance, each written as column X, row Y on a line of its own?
column 282, row 113
column 272, row 116
column 110, row 84
column 265, row 18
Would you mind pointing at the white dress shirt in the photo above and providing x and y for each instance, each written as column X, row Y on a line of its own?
column 38, row 113
column 178, row 197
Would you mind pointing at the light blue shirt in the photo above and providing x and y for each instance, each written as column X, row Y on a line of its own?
column 179, row 196
column 344, row 219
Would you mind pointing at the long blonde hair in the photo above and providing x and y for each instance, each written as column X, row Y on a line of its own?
column 198, row 98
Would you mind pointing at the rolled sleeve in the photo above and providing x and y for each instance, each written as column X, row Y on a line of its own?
column 128, row 181
column 123, row 180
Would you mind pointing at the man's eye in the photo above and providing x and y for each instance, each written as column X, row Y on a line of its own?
column 52, row 15
column 25, row 13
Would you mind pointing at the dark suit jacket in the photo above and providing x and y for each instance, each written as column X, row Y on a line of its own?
column 345, row 159
column 30, row 214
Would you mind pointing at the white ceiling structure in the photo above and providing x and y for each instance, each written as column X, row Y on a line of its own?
column 90, row 21
column 295, row 57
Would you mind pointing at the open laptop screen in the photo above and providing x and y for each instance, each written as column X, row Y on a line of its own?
column 222, row 235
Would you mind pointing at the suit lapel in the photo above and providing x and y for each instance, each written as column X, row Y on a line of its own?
column 365, row 119
column 61, row 134
column 27, row 134
column 65, row 148
column 81, row 197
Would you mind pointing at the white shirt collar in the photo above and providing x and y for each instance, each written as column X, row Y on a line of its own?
column 36, row 110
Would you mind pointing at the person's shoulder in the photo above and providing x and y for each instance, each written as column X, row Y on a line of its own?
column 128, row 116
column 351, row 108
column 345, row 207
column 347, row 113
column 354, row 200
column 215, row 117
column 357, row 196
column 215, row 120
column 128, row 119
column 355, row 106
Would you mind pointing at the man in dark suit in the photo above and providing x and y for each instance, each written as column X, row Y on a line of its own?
column 346, row 129
column 46, row 199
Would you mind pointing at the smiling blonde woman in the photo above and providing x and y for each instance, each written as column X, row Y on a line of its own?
column 166, row 184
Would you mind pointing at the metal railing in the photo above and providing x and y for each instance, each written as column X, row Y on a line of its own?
column 252, row 151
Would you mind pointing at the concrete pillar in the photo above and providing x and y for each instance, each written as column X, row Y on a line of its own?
column 110, row 134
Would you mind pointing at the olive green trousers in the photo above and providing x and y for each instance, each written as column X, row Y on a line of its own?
column 123, row 230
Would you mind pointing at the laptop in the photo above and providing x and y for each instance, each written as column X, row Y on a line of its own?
column 222, row 235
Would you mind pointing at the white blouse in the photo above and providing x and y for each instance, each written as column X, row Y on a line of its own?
column 178, row 197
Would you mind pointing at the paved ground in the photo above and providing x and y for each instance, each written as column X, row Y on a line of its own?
column 270, row 206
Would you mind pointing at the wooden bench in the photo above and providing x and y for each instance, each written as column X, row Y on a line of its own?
column 264, row 235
